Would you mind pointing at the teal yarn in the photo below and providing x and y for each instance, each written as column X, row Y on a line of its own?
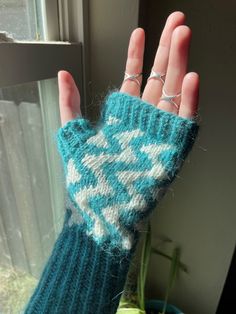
column 80, row 277
column 116, row 173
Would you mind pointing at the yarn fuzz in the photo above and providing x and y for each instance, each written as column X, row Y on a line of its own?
column 118, row 171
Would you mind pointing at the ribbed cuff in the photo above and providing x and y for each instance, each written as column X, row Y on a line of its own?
column 163, row 126
column 72, row 135
column 80, row 277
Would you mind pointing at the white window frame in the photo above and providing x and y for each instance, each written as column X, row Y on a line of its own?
column 71, row 29
column 25, row 61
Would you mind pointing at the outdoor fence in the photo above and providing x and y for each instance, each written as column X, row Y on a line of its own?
column 27, row 219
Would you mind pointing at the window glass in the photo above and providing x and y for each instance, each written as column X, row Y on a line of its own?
column 31, row 203
column 22, row 19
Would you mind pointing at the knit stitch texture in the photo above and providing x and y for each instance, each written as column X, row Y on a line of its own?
column 115, row 173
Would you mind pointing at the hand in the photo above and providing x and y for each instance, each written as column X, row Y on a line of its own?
column 171, row 58
column 117, row 171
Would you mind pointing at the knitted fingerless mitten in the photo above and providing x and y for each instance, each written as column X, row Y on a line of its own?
column 115, row 175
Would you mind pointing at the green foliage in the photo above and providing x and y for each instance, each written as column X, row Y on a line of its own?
column 129, row 308
column 172, row 275
column 145, row 257
column 136, row 304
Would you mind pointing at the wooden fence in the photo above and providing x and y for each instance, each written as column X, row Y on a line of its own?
column 27, row 222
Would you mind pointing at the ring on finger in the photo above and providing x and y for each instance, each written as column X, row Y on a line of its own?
column 132, row 77
column 157, row 76
column 170, row 98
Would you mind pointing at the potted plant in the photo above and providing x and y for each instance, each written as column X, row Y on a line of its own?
column 133, row 302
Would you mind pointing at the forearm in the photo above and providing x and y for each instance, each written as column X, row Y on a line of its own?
column 115, row 176
column 80, row 276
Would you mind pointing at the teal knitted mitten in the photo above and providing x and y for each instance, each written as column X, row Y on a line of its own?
column 115, row 175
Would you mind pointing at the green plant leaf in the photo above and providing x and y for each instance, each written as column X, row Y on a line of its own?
column 182, row 266
column 130, row 311
column 172, row 275
column 127, row 304
column 145, row 256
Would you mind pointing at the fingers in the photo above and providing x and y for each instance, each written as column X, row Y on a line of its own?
column 134, row 64
column 153, row 89
column 189, row 99
column 177, row 65
column 69, row 97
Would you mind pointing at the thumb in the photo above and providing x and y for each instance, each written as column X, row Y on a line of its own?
column 69, row 97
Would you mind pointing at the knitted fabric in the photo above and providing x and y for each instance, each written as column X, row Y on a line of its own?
column 115, row 175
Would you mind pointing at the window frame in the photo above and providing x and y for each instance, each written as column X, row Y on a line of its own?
column 69, row 26
column 26, row 61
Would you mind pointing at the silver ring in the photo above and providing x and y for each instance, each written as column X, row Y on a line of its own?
column 132, row 77
column 169, row 98
column 157, row 76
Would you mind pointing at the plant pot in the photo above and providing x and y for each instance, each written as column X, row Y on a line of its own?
column 156, row 306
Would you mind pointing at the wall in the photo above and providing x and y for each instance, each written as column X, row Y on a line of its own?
column 199, row 213
column 110, row 25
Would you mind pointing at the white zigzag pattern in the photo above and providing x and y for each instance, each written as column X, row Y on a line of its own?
column 103, row 188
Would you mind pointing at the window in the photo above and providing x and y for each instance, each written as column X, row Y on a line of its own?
column 31, row 182
column 22, row 19
column 31, row 201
